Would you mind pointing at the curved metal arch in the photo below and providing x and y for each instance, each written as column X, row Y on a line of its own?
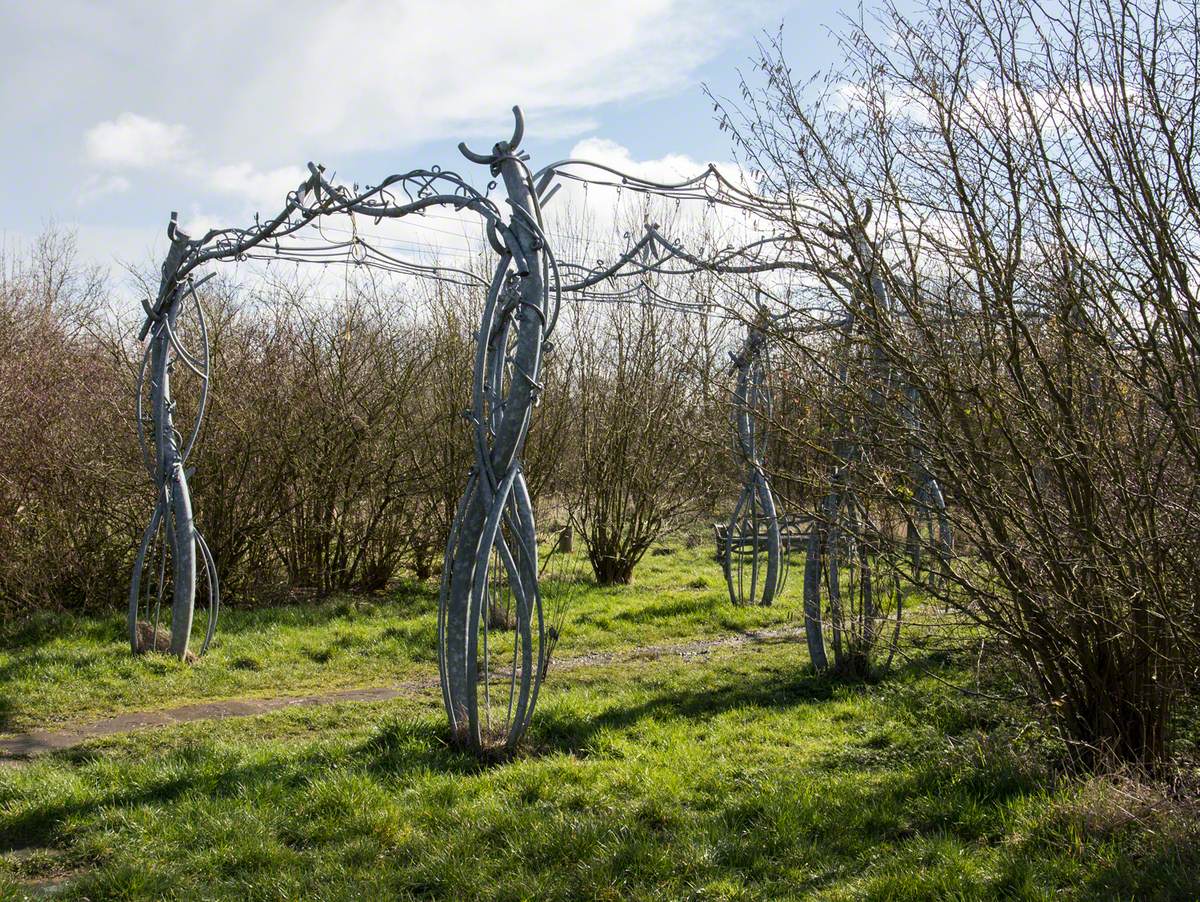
column 492, row 548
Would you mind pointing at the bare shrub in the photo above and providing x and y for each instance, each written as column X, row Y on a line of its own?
column 1027, row 277
column 351, row 370
column 641, row 466
column 69, row 480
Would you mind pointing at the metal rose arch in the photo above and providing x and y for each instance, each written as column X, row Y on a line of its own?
column 489, row 691
column 490, row 683
column 173, row 553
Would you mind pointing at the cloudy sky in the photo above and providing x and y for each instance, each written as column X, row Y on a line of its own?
column 117, row 113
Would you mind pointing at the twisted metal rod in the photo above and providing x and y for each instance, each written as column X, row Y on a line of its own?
column 752, row 535
column 170, row 544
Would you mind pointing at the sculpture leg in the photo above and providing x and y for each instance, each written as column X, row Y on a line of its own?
column 495, row 521
column 813, row 568
column 167, row 557
column 754, row 525
column 183, row 548
column 734, row 551
column 772, row 542
column 507, row 534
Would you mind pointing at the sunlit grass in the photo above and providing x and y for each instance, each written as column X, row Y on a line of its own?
column 737, row 775
column 63, row 669
column 723, row 773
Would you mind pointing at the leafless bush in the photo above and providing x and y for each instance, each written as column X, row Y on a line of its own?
column 333, row 453
column 641, row 462
column 68, row 460
column 1027, row 278
column 242, row 458
column 352, row 369
column 440, row 442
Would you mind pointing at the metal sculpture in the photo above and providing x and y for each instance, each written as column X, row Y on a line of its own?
column 490, row 688
column 752, row 535
column 171, row 546
column 173, row 553
column 493, row 542
column 492, row 547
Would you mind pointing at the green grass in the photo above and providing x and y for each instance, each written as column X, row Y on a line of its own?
column 62, row 669
column 737, row 774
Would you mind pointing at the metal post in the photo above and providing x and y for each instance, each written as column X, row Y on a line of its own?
column 170, row 543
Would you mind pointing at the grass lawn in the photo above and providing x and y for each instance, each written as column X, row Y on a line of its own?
column 64, row 669
column 733, row 774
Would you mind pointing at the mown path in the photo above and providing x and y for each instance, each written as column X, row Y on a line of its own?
column 23, row 746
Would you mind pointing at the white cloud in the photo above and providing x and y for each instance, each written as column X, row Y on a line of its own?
column 264, row 190
column 196, row 223
column 212, row 114
column 898, row 102
column 135, row 142
column 309, row 78
column 96, row 186
column 606, row 209
column 408, row 79
column 670, row 168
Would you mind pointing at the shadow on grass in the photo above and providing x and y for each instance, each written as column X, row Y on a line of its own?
column 97, row 636
column 779, row 687
column 1164, row 866
column 44, row 627
column 908, row 832
column 397, row 748
column 411, row 600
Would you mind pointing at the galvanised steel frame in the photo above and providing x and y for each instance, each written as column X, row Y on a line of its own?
column 489, row 688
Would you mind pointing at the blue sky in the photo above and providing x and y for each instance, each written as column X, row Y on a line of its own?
column 117, row 113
